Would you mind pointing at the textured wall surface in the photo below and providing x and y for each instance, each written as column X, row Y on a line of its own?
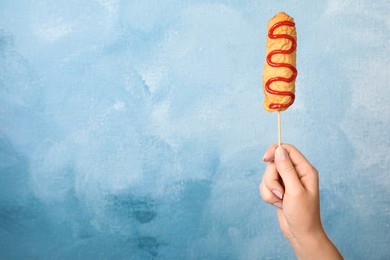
column 135, row 129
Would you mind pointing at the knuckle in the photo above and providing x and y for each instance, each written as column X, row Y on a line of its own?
column 287, row 168
column 314, row 172
column 262, row 190
column 265, row 194
column 267, row 198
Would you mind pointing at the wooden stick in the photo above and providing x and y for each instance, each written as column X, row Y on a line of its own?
column 279, row 130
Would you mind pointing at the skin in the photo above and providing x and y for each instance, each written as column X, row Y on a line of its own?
column 291, row 184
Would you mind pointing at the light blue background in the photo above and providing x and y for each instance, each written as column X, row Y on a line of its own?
column 135, row 129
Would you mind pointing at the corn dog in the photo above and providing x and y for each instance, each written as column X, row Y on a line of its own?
column 280, row 67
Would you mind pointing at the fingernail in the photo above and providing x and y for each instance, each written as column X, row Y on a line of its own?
column 278, row 194
column 265, row 157
column 280, row 153
column 278, row 205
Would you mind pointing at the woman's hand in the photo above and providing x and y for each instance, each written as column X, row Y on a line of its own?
column 290, row 183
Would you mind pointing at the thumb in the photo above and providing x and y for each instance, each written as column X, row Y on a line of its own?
column 286, row 169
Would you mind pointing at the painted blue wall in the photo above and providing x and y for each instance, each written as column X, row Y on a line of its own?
column 135, row 129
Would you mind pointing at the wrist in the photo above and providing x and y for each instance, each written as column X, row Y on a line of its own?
column 315, row 246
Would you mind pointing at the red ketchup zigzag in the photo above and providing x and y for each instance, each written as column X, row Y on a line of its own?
column 279, row 65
